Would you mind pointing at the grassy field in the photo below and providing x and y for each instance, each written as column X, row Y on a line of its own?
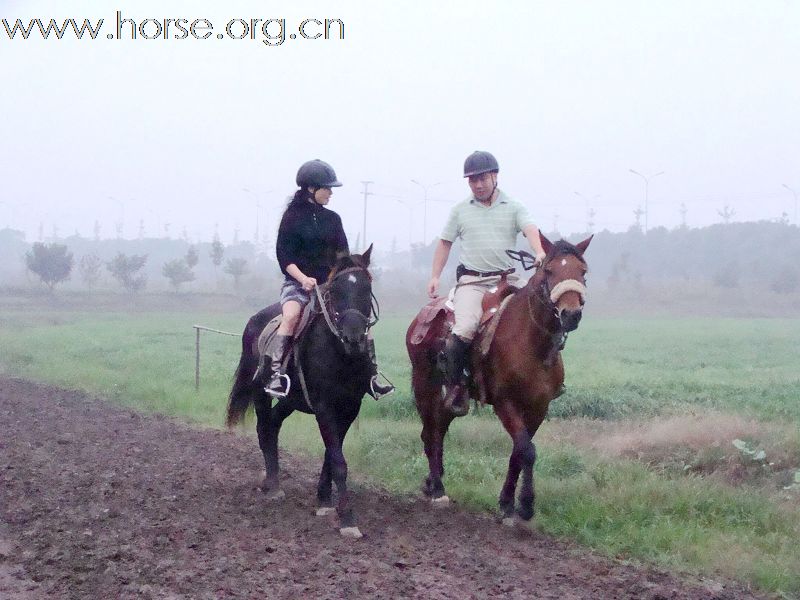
column 638, row 460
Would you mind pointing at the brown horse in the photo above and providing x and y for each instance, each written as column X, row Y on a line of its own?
column 519, row 374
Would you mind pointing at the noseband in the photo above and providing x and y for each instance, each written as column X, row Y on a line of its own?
column 323, row 299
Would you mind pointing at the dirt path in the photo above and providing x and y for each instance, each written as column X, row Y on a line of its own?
column 101, row 502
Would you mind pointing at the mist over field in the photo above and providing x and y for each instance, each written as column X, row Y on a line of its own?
column 735, row 269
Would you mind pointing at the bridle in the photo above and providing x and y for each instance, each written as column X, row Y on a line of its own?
column 548, row 296
column 333, row 318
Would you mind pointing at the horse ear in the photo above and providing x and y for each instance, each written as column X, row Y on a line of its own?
column 340, row 254
column 547, row 245
column 582, row 246
column 366, row 254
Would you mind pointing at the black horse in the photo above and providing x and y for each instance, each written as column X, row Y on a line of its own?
column 332, row 379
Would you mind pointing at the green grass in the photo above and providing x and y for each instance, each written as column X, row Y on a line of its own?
column 615, row 368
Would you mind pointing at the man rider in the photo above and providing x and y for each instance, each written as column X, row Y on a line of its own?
column 487, row 223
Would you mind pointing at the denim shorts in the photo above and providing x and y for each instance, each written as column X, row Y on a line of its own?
column 291, row 290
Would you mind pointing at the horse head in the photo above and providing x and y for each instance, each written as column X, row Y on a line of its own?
column 563, row 280
column 349, row 293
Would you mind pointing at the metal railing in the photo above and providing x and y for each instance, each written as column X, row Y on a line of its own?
column 198, row 329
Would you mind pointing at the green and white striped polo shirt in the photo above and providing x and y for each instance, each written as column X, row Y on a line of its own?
column 486, row 232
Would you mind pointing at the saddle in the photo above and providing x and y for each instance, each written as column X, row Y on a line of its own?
column 268, row 334
column 492, row 304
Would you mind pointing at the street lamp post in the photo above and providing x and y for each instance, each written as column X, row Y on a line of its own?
column 646, row 186
column 258, row 212
column 425, row 189
column 795, row 201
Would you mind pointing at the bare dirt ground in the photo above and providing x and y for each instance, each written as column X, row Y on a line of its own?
column 101, row 502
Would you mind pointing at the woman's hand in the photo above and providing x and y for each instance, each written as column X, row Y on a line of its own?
column 308, row 283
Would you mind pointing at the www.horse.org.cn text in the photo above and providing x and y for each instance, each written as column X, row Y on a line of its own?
column 271, row 32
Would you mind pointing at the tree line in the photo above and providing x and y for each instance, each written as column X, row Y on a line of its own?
column 728, row 255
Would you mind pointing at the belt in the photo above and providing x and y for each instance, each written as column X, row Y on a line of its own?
column 462, row 270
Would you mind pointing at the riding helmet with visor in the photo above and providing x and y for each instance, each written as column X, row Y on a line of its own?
column 318, row 174
column 480, row 162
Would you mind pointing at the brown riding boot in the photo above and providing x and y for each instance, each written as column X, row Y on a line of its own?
column 457, row 397
column 279, row 383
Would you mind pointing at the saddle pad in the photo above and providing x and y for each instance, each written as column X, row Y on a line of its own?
column 426, row 318
column 267, row 334
column 489, row 327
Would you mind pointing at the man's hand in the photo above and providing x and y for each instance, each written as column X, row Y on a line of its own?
column 539, row 259
column 308, row 283
column 433, row 286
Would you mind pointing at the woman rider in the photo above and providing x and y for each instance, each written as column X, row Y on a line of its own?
column 309, row 238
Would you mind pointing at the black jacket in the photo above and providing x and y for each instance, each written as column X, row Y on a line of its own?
column 309, row 236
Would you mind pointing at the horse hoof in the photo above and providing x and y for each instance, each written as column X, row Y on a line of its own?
column 324, row 511
column 441, row 502
column 510, row 522
column 275, row 495
column 351, row 532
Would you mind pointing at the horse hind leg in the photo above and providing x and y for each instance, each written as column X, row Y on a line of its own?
column 325, row 488
column 435, row 423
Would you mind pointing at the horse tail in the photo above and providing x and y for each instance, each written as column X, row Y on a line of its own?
column 244, row 387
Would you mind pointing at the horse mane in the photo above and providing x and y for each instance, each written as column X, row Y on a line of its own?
column 562, row 247
column 347, row 261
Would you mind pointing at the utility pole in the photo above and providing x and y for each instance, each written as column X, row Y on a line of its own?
column 425, row 209
column 589, row 210
column 367, row 194
column 794, row 193
column 646, row 186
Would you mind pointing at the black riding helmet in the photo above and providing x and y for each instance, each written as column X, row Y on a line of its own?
column 480, row 162
column 318, row 174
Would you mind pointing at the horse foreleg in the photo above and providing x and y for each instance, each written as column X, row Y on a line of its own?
column 334, row 457
column 519, row 455
column 527, row 493
column 268, row 427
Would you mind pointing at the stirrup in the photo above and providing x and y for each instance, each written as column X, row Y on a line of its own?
column 374, row 385
column 277, row 393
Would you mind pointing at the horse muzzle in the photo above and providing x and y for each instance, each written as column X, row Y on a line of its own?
column 570, row 319
column 354, row 342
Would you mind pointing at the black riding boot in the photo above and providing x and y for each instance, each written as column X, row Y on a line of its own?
column 376, row 389
column 457, row 399
column 279, row 382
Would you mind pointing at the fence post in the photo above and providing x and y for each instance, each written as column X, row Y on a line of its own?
column 197, row 360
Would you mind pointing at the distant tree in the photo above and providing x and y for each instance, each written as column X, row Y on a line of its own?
column 51, row 262
column 90, row 269
column 236, row 267
column 728, row 275
column 726, row 213
column 192, row 258
column 125, row 268
column 217, row 252
column 178, row 272
column 787, row 280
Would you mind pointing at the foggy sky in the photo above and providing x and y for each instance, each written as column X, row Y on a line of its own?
column 568, row 95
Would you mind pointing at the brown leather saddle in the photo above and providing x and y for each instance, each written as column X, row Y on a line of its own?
column 439, row 308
